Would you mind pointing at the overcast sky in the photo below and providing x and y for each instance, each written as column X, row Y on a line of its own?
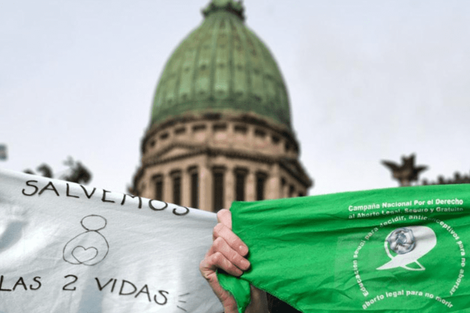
column 367, row 80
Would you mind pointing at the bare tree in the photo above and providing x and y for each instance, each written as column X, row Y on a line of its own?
column 76, row 173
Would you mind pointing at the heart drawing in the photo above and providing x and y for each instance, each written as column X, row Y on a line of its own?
column 82, row 254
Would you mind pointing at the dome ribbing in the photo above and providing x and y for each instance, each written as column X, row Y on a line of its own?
column 221, row 67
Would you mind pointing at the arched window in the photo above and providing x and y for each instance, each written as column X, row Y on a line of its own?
column 260, row 185
column 158, row 183
column 218, row 188
column 283, row 187
column 194, row 176
column 240, row 179
column 176, row 180
column 291, row 191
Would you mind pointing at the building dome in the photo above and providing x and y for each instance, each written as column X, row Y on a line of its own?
column 222, row 67
column 220, row 129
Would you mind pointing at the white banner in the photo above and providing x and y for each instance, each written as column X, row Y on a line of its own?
column 71, row 248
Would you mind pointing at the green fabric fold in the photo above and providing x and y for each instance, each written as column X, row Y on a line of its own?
column 239, row 288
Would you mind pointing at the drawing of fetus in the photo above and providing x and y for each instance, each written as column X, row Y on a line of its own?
column 88, row 248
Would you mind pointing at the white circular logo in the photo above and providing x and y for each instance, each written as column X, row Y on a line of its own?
column 410, row 244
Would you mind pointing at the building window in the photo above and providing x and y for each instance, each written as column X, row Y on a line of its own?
column 199, row 127
column 218, row 188
column 260, row 133
column 158, row 187
column 219, row 127
column 194, row 188
column 291, row 191
column 283, row 187
column 240, row 129
column 180, row 130
column 176, row 177
column 287, row 147
column 240, row 179
column 260, row 185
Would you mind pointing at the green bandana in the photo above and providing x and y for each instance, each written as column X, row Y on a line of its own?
column 387, row 250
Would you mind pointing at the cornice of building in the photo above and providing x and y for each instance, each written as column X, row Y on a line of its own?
column 229, row 116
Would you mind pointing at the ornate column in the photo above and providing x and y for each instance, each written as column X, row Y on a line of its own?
column 229, row 187
column 185, row 188
column 205, row 187
column 167, row 188
column 273, row 183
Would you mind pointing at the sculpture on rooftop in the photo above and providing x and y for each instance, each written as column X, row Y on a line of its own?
column 407, row 172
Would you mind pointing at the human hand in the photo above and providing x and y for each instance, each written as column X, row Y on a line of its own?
column 227, row 253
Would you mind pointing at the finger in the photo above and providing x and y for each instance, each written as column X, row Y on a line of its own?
column 207, row 271
column 220, row 230
column 220, row 245
column 224, row 216
column 218, row 260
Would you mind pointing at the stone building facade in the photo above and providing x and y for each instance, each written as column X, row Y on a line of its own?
column 220, row 129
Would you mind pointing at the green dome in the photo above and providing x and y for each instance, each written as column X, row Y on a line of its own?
column 221, row 67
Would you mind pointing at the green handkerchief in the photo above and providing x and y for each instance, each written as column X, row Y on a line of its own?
column 386, row 250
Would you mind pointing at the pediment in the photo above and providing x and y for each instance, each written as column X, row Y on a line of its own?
column 175, row 151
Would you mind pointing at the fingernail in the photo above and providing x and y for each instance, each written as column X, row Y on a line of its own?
column 243, row 250
column 245, row 264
